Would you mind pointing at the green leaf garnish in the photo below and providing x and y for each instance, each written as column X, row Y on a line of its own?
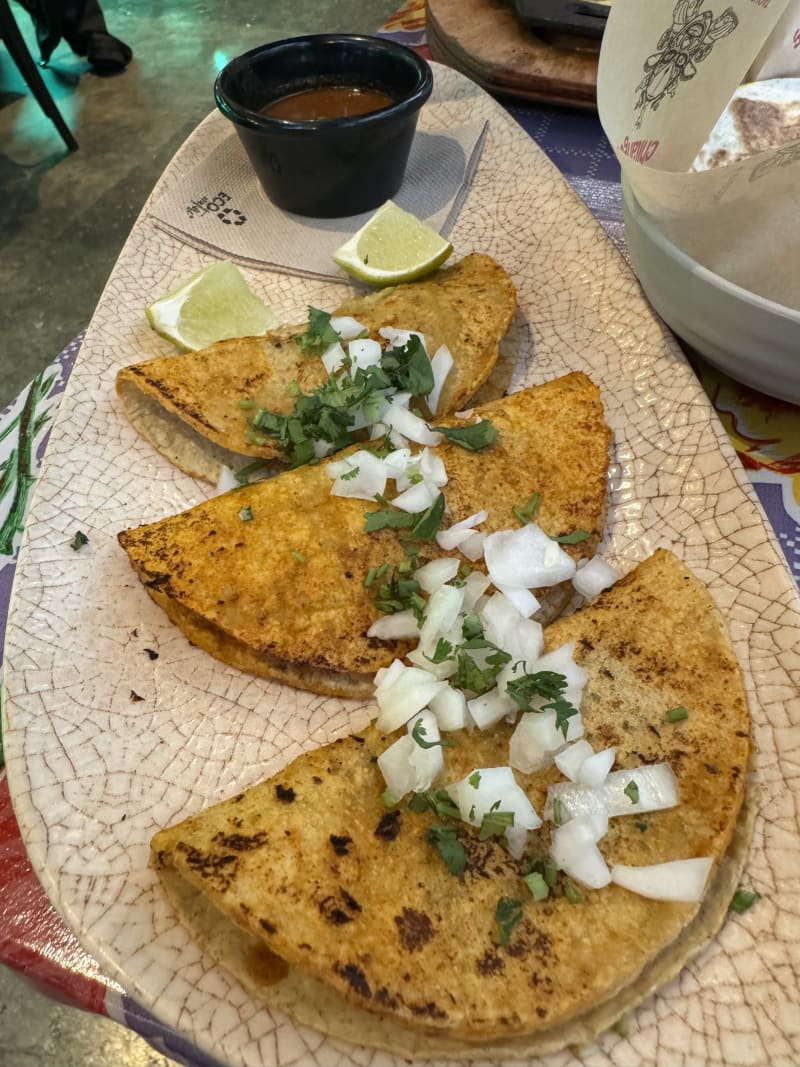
column 419, row 733
column 527, row 511
column 678, row 714
column 428, row 522
column 472, row 626
column 744, row 899
column 299, row 556
column 246, row 513
column 572, row 893
column 447, row 841
column 242, row 476
column 558, row 811
column 348, row 476
column 495, row 823
column 409, row 367
column 78, row 541
column 475, row 779
column 573, row 538
column 539, row 888
column 641, row 826
column 631, row 790
column 319, row 333
column 476, row 436
column 387, row 520
column 547, row 684
column 507, row 915
column 564, row 711
column 440, row 803
column 443, row 651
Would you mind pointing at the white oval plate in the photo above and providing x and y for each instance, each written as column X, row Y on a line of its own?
column 94, row 771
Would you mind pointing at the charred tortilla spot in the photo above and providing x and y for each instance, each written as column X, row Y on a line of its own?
column 430, row 1010
column 340, row 843
column 414, row 928
column 217, row 869
column 355, row 977
column 349, row 899
column 271, row 928
column 383, row 996
column 330, row 909
column 389, row 826
column 285, row 794
column 241, row 842
column 490, row 964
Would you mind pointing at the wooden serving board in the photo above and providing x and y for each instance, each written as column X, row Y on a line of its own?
column 485, row 40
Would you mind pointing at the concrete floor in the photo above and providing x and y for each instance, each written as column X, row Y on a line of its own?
column 63, row 220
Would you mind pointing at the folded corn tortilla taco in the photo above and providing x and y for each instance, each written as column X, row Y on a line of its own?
column 760, row 116
column 195, row 408
column 283, row 594
column 328, row 905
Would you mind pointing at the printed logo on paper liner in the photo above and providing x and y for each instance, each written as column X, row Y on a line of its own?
column 687, row 42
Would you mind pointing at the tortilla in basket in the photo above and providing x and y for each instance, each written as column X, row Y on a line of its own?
column 283, row 595
column 328, row 906
column 189, row 407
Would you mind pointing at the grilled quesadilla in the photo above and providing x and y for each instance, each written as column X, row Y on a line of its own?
column 329, row 905
column 283, row 593
column 196, row 408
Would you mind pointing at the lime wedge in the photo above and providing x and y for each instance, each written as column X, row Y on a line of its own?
column 212, row 305
column 393, row 246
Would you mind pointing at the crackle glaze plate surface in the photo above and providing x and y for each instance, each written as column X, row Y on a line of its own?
column 105, row 744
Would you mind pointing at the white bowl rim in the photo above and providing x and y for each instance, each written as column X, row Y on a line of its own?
column 644, row 221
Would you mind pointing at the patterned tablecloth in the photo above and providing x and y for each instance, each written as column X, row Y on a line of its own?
column 765, row 432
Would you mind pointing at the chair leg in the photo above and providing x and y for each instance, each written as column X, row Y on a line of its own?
column 15, row 42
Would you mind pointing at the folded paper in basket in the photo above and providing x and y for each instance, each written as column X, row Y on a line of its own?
column 668, row 69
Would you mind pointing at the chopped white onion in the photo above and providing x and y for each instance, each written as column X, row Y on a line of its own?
column 396, row 767
column 526, row 557
column 432, row 468
column 226, row 480
column 507, row 627
column 441, row 671
column 536, row 741
column 416, row 498
column 398, row 627
column 322, row 448
column 361, row 476
column 409, row 425
column 657, row 786
column 570, row 760
column 347, row 327
column 480, row 791
column 441, row 364
column 561, row 661
column 522, row 599
column 364, row 353
column 441, row 613
column 450, row 708
column 428, row 762
column 573, row 847
column 680, row 880
column 475, row 585
column 472, row 545
column 400, row 338
column 453, row 536
column 397, row 464
column 593, row 577
column 595, row 769
column 431, row 575
column 490, row 708
column 333, row 358
column 409, row 692
column 384, row 676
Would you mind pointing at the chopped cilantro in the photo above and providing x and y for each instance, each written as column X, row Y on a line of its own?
column 475, row 779
column 539, row 888
column 471, row 677
column 319, row 333
column 78, row 541
column 440, row 802
column 508, row 914
column 246, row 513
column 428, row 522
column 641, row 826
column 631, row 790
column 472, row 626
column 476, row 436
column 573, row 538
column 246, row 405
column 348, row 476
column 526, row 511
column 678, row 714
column 443, row 651
column 242, row 476
column 409, row 367
column 387, row 520
column 299, row 556
column 564, row 711
column 547, row 684
column 419, row 734
column 744, row 899
column 572, row 893
column 447, row 841
column 495, row 823
column 558, row 811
